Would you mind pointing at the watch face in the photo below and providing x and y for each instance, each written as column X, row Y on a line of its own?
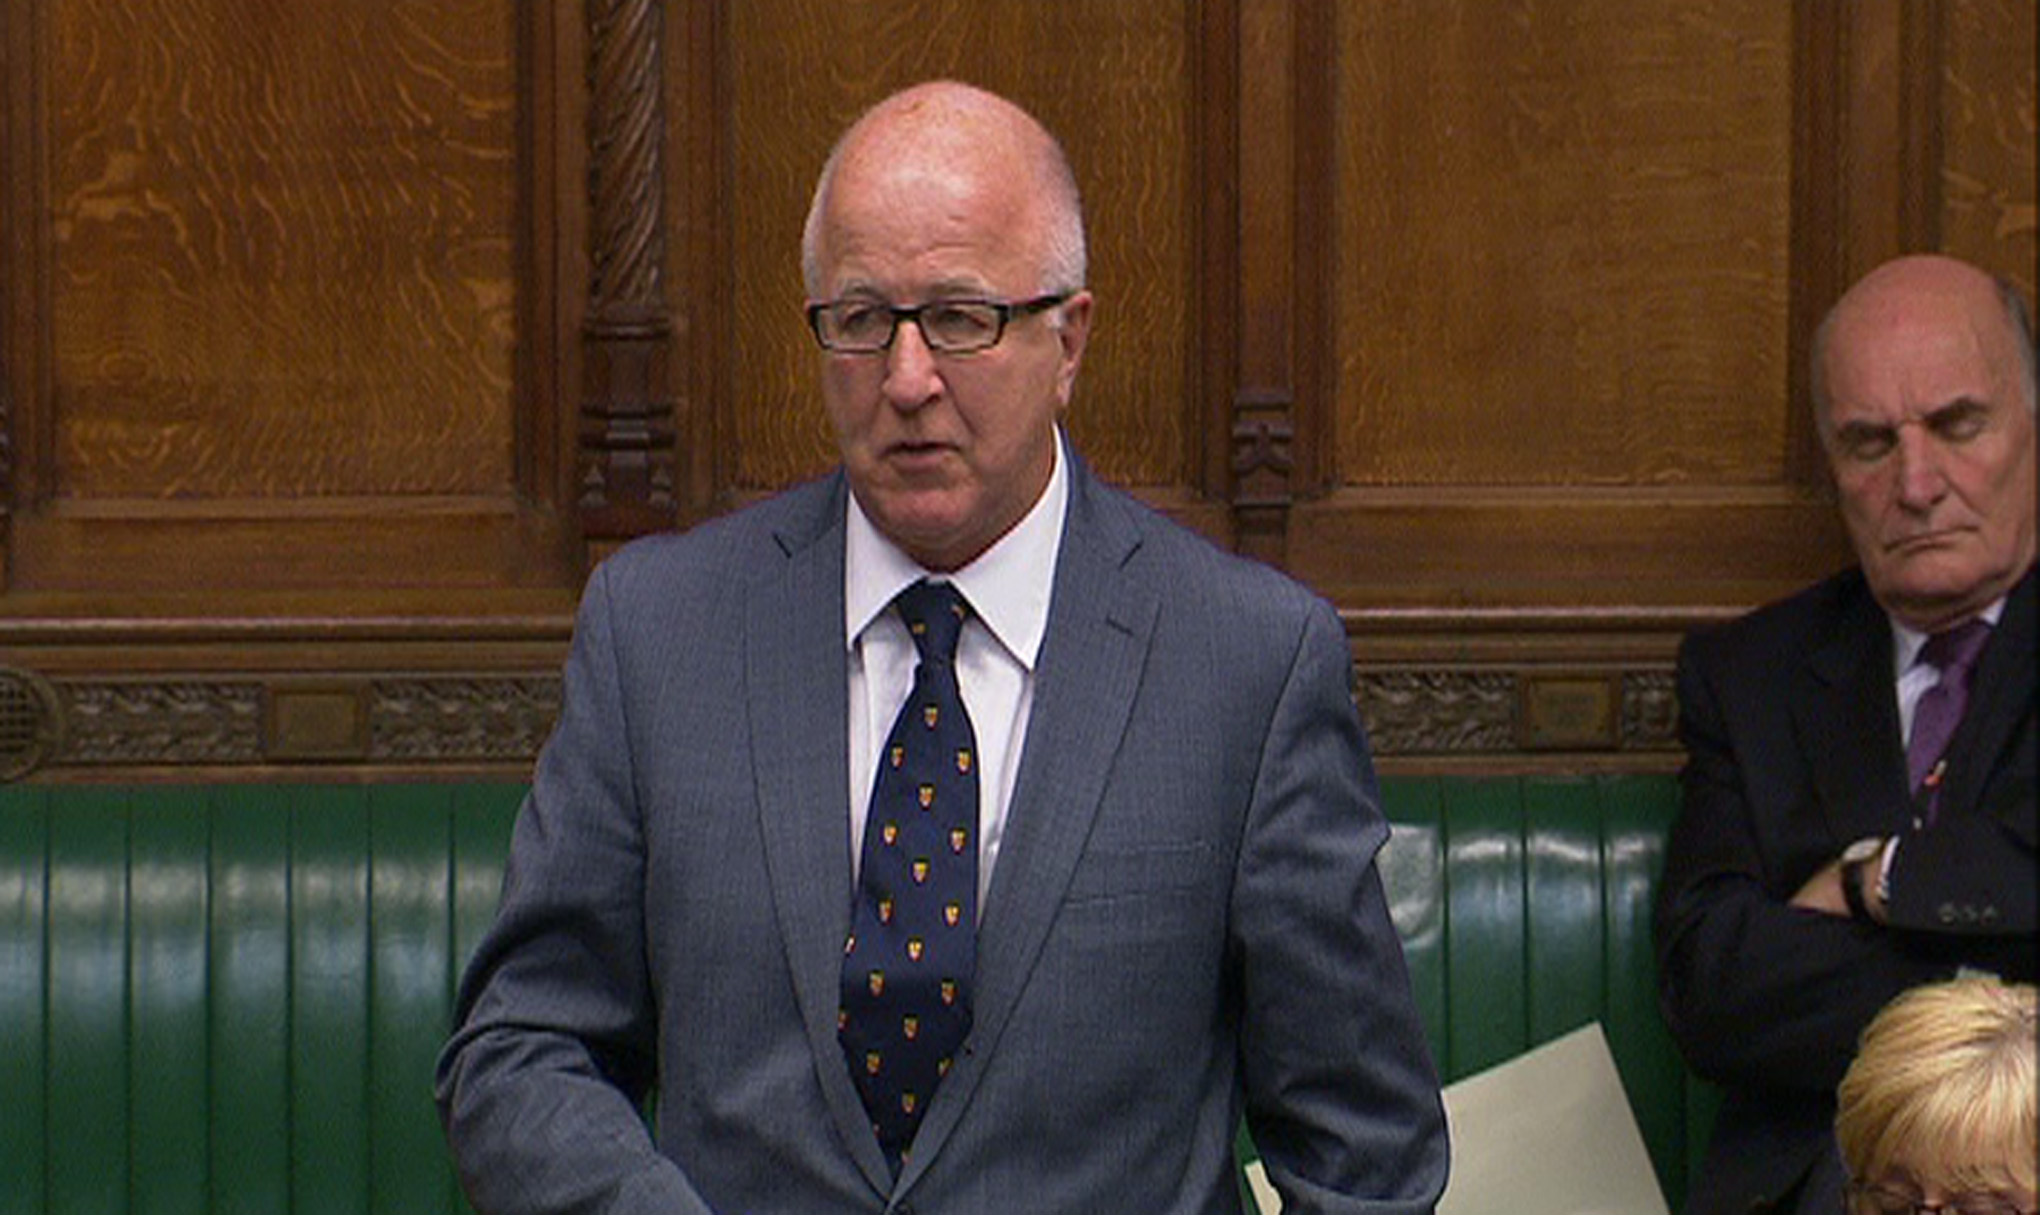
column 1863, row 849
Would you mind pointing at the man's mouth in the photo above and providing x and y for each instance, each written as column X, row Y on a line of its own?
column 1923, row 541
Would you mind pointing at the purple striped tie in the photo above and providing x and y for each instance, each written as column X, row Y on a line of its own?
column 1939, row 711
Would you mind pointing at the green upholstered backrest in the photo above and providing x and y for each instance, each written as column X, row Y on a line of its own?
column 229, row 998
column 1524, row 905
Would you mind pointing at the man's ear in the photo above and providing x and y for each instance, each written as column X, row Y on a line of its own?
column 1074, row 333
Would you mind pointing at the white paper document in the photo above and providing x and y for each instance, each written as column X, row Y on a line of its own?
column 1548, row 1132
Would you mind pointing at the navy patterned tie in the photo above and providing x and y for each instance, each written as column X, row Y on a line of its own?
column 913, row 933
column 1939, row 711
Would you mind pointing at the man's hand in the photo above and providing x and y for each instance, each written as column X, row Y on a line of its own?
column 1823, row 891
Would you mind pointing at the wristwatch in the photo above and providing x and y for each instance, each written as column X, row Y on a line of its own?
column 1855, row 857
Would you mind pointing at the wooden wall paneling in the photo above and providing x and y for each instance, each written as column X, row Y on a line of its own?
column 700, row 286
column 627, row 438
column 1489, row 323
column 288, row 255
column 1562, row 317
column 1820, row 250
column 23, row 263
column 1889, row 177
column 1263, row 323
column 283, row 352
column 1563, row 294
column 1217, row 197
column 1987, row 171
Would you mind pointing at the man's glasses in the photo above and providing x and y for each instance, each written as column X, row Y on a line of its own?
column 1866, row 1198
column 858, row 326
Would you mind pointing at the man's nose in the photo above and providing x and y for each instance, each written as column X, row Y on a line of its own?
column 1921, row 478
column 911, row 376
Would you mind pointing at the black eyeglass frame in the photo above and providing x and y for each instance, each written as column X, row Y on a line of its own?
column 1005, row 310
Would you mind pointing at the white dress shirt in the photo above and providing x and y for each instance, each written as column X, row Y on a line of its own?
column 1008, row 587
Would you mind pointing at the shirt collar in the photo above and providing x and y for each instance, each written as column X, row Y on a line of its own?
column 1008, row 585
column 1906, row 643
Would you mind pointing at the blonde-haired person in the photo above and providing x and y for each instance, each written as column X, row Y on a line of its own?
column 1937, row 1112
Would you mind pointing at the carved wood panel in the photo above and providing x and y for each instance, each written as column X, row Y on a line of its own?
column 269, row 289
column 335, row 343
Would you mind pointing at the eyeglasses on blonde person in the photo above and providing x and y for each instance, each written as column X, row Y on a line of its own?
column 1936, row 1115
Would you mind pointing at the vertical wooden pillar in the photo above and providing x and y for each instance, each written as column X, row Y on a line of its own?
column 627, row 433
column 1866, row 161
column 1280, row 411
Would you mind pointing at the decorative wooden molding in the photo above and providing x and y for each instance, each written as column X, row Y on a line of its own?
column 627, row 431
column 175, row 722
column 1263, row 441
column 1486, row 712
column 427, row 720
column 1416, row 712
column 479, row 718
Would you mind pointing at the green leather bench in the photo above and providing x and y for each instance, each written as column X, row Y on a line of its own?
column 229, row 998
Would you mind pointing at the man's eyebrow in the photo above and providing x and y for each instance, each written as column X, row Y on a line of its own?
column 1960, row 405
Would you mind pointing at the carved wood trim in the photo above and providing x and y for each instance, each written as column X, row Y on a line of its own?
column 627, row 434
column 420, row 721
column 1586, row 713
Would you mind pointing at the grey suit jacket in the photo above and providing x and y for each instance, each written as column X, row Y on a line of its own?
column 1185, row 924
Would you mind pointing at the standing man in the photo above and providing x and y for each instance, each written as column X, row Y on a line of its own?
column 951, row 834
column 1858, row 809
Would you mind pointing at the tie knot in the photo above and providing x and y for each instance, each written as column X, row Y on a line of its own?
column 1954, row 650
column 934, row 612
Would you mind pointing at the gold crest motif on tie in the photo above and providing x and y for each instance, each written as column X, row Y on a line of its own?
column 915, row 947
column 963, row 763
column 927, row 795
column 920, row 870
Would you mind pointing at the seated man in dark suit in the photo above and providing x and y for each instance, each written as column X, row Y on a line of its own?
column 1858, row 813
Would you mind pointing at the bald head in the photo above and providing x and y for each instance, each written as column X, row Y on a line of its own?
column 1924, row 395
column 1925, row 291
column 964, row 133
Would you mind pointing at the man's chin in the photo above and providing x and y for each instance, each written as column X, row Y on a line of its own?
column 1928, row 597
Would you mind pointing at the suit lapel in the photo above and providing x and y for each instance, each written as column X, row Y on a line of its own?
column 1846, row 712
column 795, row 665
column 1100, row 625
column 2000, row 700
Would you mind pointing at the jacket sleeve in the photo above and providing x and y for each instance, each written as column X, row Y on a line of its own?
column 1758, row 993
column 1342, row 1097
column 543, row 1083
column 1973, row 875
